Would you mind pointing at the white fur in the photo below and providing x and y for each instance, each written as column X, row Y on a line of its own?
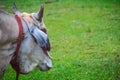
column 30, row 54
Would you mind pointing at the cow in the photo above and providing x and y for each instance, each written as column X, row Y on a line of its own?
column 24, row 42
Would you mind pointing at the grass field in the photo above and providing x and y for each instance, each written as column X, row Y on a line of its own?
column 84, row 35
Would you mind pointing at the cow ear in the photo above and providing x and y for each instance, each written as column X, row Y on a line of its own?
column 15, row 10
column 40, row 13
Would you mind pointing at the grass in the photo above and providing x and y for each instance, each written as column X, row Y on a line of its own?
column 85, row 38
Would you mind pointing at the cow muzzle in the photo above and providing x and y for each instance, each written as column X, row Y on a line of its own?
column 46, row 65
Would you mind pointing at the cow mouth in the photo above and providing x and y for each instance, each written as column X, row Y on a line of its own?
column 45, row 67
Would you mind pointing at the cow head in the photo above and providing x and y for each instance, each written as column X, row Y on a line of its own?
column 32, row 54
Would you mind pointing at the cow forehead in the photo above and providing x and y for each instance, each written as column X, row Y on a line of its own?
column 41, row 38
column 27, row 17
column 31, row 18
column 37, row 30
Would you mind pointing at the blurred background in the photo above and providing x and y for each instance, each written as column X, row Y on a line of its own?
column 84, row 36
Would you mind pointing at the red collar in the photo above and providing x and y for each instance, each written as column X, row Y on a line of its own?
column 14, row 62
column 20, row 35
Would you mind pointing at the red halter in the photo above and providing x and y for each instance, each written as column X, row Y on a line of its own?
column 20, row 36
column 14, row 62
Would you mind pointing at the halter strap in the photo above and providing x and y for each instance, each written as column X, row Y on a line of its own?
column 14, row 62
column 20, row 36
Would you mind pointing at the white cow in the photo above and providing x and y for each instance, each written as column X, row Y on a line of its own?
column 31, row 54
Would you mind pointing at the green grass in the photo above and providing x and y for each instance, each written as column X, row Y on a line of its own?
column 85, row 39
